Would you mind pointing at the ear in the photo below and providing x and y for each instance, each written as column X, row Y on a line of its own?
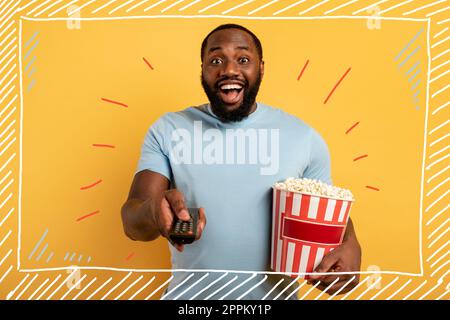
column 261, row 67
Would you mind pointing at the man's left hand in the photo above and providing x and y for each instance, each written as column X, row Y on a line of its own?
column 345, row 258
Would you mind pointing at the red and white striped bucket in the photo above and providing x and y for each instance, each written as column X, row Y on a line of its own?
column 304, row 229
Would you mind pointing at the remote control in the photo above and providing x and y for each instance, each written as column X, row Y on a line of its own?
column 184, row 232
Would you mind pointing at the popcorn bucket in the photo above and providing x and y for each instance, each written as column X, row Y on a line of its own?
column 305, row 228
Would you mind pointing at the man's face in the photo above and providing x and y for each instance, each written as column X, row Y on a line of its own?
column 231, row 73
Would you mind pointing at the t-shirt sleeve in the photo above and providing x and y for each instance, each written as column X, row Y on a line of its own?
column 154, row 155
column 319, row 166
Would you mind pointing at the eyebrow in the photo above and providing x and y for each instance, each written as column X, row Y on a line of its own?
column 212, row 49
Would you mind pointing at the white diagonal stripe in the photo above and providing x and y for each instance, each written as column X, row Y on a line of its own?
column 437, row 161
column 6, row 217
column 159, row 288
column 26, row 287
column 171, row 6
column 84, row 289
column 440, row 32
column 38, row 7
column 273, row 288
column 369, row 6
column 309, row 291
column 177, row 286
column 288, row 7
column 287, row 287
column 439, row 140
column 438, row 174
column 99, row 288
column 252, row 288
column 189, row 5
column 437, row 187
column 6, row 256
column 103, row 6
column 38, row 289
column 341, row 6
column 10, row 70
column 207, row 287
column 369, row 288
column 5, row 237
column 128, row 288
column 442, row 295
column 11, row 293
column 117, row 285
column 439, row 76
column 438, row 228
column 189, row 288
column 136, row 5
column 26, row 6
column 120, row 6
column 384, row 289
column 142, row 288
column 438, row 269
column 296, row 290
column 326, row 289
column 62, row 283
column 438, row 127
column 439, row 42
column 154, row 5
column 78, row 8
column 7, row 128
column 343, row 210
column 440, row 90
column 439, row 237
column 436, row 201
column 436, row 12
column 221, row 288
column 48, row 288
column 47, row 8
column 6, row 200
column 399, row 290
column 423, row 7
column 5, row 177
column 73, row 287
column 313, row 7
column 436, row 252
column 237, row 287
column 238, row 6
column 354, row 289
column 262, row 7
column 6, row 273
column 440, row 55
column 439, row 259
column 415, row 290
column 440, row 108
column 62, row 8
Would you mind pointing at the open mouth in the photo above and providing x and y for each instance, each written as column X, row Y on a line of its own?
column 231, row 93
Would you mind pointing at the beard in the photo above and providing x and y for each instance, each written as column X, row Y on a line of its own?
column 220, row 109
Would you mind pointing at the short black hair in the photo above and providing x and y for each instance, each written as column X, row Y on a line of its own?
column 233, row 26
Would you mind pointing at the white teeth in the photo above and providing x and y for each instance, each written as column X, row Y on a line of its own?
column 231, row 86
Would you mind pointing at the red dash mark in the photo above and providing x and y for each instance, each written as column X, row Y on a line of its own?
column 373, row 188
column 91, row 185
column 351, row 128
column 301, row 72
column 115, row 102
column 148, row 63
column 88, row 215
column 360, row 157
column 131, row 255
column 103, row 145
column 335, row 86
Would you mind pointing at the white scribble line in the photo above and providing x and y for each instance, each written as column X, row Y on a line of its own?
column 297, row 289
column 369, row 288
column 423, row 7
column 7, row 137
column 189, row 5
column 7, row 128
column 26, row 287
column 8, row 63
column 238, row 6
column 194, row 284
column 128, row 288
column 26, row 6
column 6, row 29
column 141, row 289
column 10, row 70
column 84, row 289
column 5, row 274
column 38, row 7
column 262, row 7
column 136, row 5
column 46, row 8
column 369, row 6
column 437, row 187
column 442, row 295
column 9, row 144
column 393, row 7
column 6, row 217
column 415, row 290
column 120, row 6
column 440, row 55
column 6, row 177
column 357, row 286
column 62, row 8
column 6, row 163
column 400, row 289
column 437, row 174
column 440, row 108
column 207, row 287
column 99, row 288
column 439, row 42
column 78, row 8
column 62, row 283
column 6, row 95
column 440, row 32
column 159, row 288
column 313, row 7
column 288, row 7
column 13, row 9
column 38, row 289
column 440, row 90
column 6, row 237
column 436, row 252
column 154, row 5
column 438, row 269
column 7, row 37
column 237, row 287
column 211, row 6
column 117, row 285
column 103, row 6
column 6, row 200
column 439, row 126
column 73, row 287
column 436, row 201
column 307, row 292
column 221, row 288
column 436, row 12
column 326, row 289
column 443, row 276
column 287, row 287
column 171, row 6
column 6, row 256
column 438, row 228
column 11, row 293
column 437, row 161
column 9, row 83
column 439, row 259
column 179, row 285
column 342, row 288
column 384, row 289
column 341, row 6
column 431, row 290
column 273, row 288
column 252, row 288
column 6, row 108
column 439, row 76
column 48, row 288
column 439, row 140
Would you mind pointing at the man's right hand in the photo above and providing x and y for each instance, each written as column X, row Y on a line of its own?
column 173, row 204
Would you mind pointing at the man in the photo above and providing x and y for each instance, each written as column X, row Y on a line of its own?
column 223, row 157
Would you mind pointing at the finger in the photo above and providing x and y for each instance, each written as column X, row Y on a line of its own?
column 326, row 265
column 178, row 246
column 177, row 204
column 201, row 223
column 165, row 218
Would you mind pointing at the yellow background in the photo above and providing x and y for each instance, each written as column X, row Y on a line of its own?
column 64, row 115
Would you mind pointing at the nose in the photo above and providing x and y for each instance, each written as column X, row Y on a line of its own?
column 230, row 69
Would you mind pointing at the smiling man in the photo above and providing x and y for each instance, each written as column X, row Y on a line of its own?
column 223, row 157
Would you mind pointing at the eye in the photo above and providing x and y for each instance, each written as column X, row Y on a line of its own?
column 244, row 60
column 216, row 61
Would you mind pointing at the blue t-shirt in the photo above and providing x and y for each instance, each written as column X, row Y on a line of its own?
column 229, row 170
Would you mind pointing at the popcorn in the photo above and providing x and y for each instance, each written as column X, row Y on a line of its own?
column 314, row 187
